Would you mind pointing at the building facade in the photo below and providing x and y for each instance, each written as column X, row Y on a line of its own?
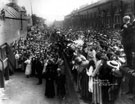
column 13, row 23
column 105, row 13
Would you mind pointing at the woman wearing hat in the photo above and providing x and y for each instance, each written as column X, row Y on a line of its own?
column 50, row 76
column 97, row 93
column 28, row 67
column 115, row 81
column 61, row 81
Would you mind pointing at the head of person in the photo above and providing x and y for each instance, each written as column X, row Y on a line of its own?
column 98, row 55
column 126, row 19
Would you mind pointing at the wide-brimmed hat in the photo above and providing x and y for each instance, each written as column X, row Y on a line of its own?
column 126, row 18
column 113, row 64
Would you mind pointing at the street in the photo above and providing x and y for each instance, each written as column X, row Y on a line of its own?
column 22, row 90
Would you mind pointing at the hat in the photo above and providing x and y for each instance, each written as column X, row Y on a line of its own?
column 58, row 32
column 121, row 50
column 122, row 55
column 126, row 18
column 78, row 60
column 113, row 64
column 122, row 59
column 58, row 69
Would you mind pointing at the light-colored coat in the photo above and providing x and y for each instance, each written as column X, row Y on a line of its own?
column 28, row 67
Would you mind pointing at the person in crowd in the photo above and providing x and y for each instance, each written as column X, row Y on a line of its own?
column 28, row 67
column 127, row 34
column 89, row 71
column 50, row 78
column 87, row 63
column 75, row 74
column 60, row 82
column 45, row 64
column 96, row 87
column 105, row 77
column 33, row 67
column 17, row 56
column 39, row 69
column 114, row 80
column 128, row 37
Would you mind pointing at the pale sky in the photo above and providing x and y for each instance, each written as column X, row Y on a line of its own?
column 52, row 9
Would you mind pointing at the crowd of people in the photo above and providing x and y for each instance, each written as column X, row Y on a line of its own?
column 36, row 56
column 95, row 64
column 95, row 58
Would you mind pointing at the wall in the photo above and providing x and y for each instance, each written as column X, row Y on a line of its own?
column 10, row 27
column 10, row 30
column 107, row 14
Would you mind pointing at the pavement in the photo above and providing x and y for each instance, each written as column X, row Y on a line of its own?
column 22, row 90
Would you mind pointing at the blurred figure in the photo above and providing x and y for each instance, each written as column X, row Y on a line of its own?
column 39, row 68
column 127, row 34
column 50, row 77
column 33, row 67
column 17, row 56
column 28, row 67
column 60, row 81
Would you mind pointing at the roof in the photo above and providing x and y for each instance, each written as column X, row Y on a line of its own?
column 16, row 7
column 94, row 5
column 11, row 12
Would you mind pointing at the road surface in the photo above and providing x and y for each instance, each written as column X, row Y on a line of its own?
column 22, row 90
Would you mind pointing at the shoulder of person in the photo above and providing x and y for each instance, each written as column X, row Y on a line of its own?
column 130, row 24
column 133, row 24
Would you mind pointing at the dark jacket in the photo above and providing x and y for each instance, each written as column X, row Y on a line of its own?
column 127, row 34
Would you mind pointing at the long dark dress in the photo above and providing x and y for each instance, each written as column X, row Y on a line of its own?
column 33, row 67
column 61, row 85
column 84, row 85
column 50, row 77
column 39, row 69
column 105, row 76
